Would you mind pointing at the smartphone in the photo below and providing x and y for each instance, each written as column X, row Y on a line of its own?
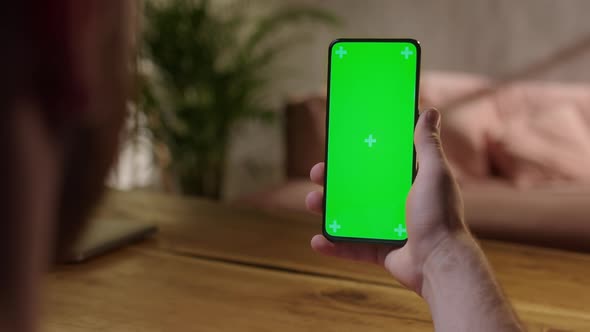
column 371, row 113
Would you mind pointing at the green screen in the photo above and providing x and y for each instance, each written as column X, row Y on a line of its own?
column 370, row 158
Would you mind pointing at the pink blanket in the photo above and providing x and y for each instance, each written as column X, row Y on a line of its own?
column 528, row 132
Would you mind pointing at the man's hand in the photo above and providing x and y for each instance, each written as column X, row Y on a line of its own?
column 441, row 261
column 434, row 212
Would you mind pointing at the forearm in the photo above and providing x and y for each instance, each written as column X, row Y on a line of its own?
column 461, row 291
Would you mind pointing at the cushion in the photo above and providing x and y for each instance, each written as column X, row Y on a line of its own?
column 545, row 135
column 529, row 133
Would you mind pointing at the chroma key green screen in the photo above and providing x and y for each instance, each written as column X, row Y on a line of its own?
column 373, row 87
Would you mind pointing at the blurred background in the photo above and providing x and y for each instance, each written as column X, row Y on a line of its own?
column 230, row 98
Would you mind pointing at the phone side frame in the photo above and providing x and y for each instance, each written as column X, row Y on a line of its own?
column 416, row 43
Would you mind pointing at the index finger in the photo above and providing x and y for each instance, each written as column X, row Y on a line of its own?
column 317, row 173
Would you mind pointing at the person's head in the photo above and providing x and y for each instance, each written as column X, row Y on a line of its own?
column 63, row 91
column 63, row 87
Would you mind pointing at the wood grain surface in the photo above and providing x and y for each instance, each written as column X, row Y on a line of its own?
column 216, row 267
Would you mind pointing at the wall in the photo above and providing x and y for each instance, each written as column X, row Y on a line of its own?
column 485, row 36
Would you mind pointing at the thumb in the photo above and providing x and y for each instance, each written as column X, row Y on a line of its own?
column 431, row 158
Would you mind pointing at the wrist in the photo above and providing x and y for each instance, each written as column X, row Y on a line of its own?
column 451, row 255
column 461, row 290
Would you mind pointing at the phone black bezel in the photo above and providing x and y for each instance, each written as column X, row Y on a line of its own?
column 416, row 43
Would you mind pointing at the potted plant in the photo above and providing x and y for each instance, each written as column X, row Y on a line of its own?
column 206, row 73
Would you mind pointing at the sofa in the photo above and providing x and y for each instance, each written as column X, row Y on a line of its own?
column 520, row 152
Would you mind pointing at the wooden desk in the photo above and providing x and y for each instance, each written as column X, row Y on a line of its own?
column 217, row 267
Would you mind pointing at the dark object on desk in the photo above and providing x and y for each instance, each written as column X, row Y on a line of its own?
column 104, row 235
